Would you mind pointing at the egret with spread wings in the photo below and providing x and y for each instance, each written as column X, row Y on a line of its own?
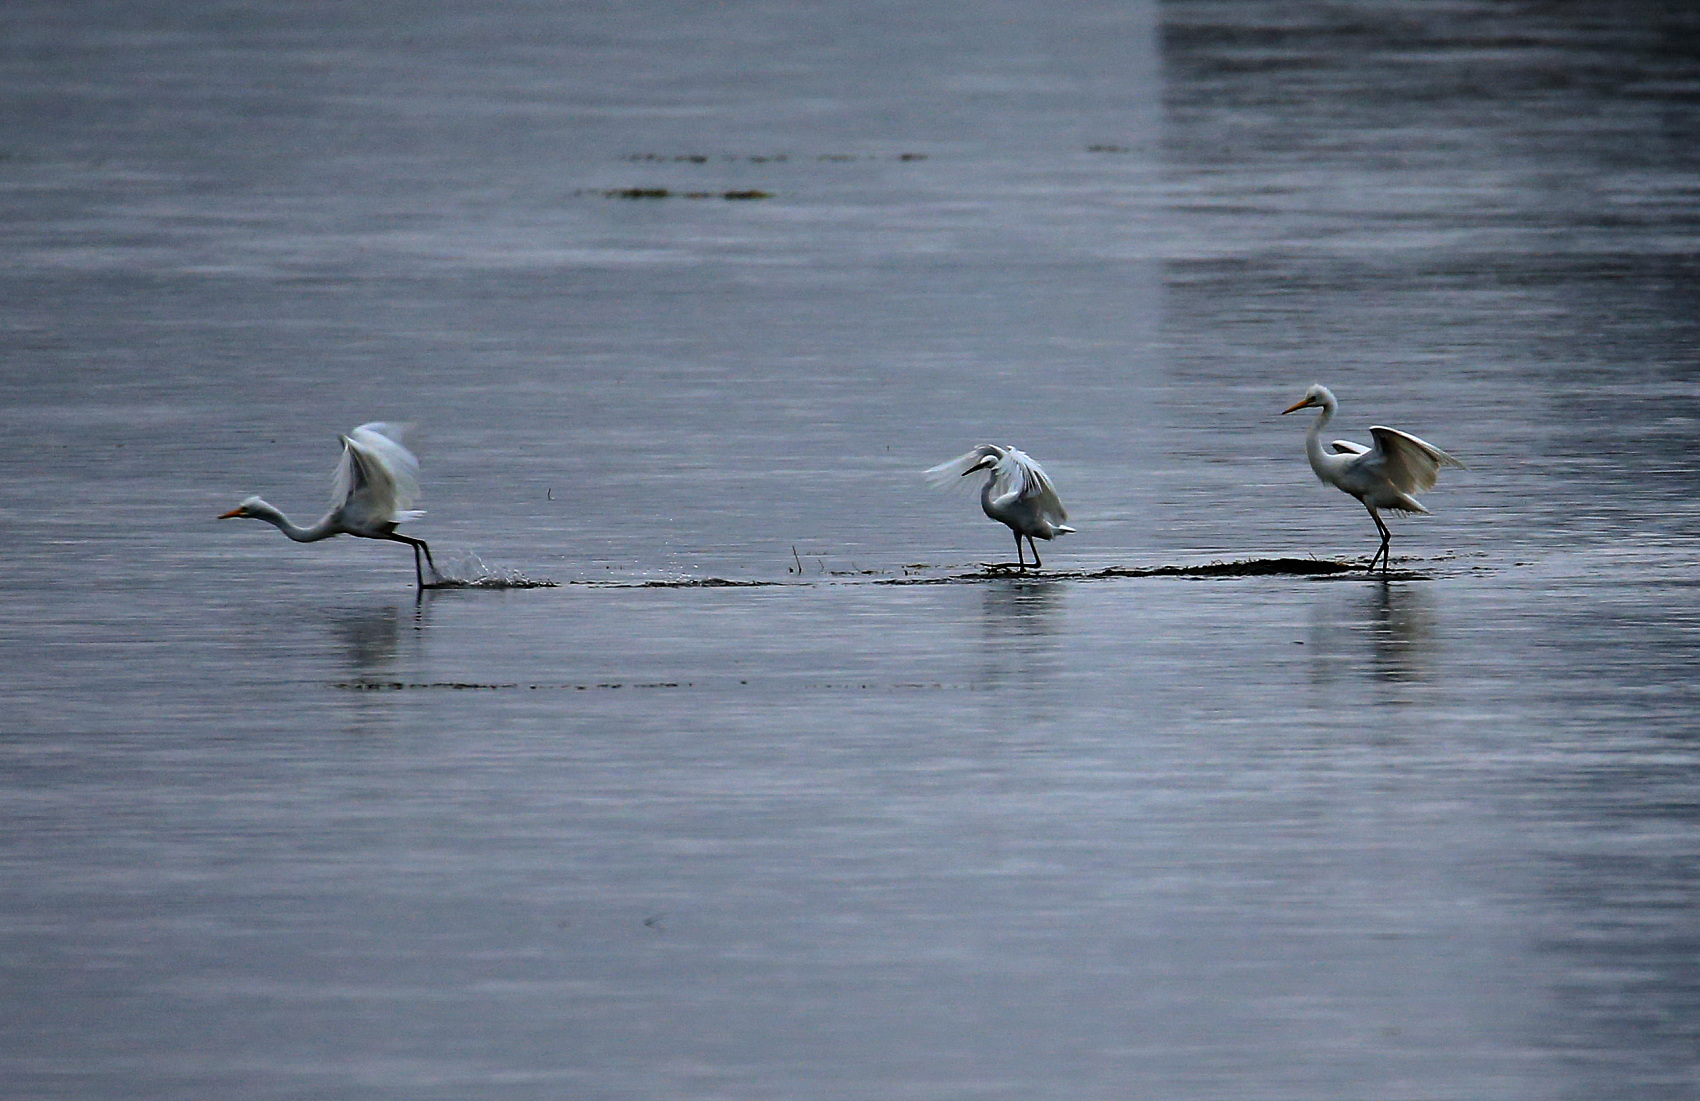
column 1017, row 493
column 1385, row 475
column 375, row 482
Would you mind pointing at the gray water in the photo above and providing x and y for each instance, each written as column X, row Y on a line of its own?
column 894, row 826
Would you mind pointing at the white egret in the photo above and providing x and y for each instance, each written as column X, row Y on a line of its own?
column 1382, row 476
column 374, row 483
column 1017, row 493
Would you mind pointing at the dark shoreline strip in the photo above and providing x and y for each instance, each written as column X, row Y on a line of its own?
column 1248, row 567
column 1251, row 567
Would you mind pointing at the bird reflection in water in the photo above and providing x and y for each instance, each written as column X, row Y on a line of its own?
column 371, row 639
column 1395, row 617
column 1022, row 620
column 1401, row 626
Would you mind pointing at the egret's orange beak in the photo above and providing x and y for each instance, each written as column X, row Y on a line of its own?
column 237, row 511
column 1296, row 406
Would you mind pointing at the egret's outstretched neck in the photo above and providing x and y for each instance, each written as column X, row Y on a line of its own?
column 260, row 510
column 986, row 494
column 1313, row 439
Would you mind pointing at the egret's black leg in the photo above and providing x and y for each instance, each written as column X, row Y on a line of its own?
column 1386, row 538
column 1020, row 560
column 1035, row 547
column 418, row 545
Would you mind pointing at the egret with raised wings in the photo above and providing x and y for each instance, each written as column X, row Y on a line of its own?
column 374, row 483
column 1017, row 493
column 1384, row 475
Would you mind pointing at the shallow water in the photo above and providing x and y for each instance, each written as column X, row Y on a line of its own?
column 788, row 788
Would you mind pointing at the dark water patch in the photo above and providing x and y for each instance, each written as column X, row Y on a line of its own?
column 1250, row 567
column 398, row 686
column 900, row 686
column 662, row 158
column 635, row 686
column 845, row 158
column 702, row 583
column 765, row 158
column 738, row 195
column 483, row 686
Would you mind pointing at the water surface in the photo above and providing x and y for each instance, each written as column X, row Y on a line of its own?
column 278, row 828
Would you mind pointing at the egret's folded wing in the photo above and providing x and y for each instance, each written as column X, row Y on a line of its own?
column 1411, row 464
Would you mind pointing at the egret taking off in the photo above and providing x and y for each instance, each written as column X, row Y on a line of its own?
column 1383, row 476
column 375, row 481
column 1017, row 493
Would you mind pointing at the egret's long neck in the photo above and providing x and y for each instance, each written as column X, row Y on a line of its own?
column 1313, row 439
column 260, row 510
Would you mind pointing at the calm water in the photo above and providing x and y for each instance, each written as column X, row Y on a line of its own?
column 276, row 829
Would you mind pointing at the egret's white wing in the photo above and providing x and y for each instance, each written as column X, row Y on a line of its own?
column 949, row 473
column 370, row 501
column 384, row 440
column 1347, row 447
column 1410, row 464
column 1021, row 478
column 376, row 479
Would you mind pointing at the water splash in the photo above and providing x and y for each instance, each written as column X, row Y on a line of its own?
column 471, row 572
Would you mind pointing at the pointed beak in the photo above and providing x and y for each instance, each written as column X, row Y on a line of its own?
column 1303, row 403
column 232, row 513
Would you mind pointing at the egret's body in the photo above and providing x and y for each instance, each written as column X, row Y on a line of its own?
column 374, row 483
column 1384, row 475
column 1017, row 493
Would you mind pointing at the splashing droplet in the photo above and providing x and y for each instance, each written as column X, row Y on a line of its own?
column 469, row 571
